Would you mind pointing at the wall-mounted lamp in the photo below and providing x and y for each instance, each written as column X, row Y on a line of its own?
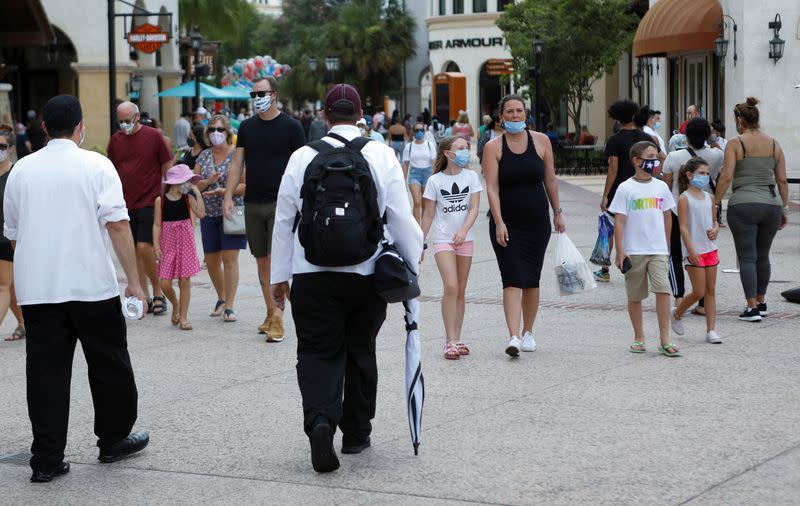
column 721, row 43
column 777, row 43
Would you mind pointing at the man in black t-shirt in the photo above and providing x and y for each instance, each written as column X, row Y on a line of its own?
column 264, row 144
column 618, row 149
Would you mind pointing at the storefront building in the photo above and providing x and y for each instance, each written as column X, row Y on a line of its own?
column 463, row 39
column 681, row 64
column 49, row 47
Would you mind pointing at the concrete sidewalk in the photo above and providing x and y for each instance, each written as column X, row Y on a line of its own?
column 580, row 421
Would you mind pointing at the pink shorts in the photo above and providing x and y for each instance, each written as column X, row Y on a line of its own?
column 709, row 259
column 465, row 250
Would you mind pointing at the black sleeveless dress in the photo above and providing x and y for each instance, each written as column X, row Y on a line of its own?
column 525, row 209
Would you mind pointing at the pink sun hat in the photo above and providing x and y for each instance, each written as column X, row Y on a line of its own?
column 180, row 174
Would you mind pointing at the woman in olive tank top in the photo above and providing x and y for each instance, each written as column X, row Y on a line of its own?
column 755, row 169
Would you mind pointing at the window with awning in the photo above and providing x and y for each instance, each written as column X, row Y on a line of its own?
column 678, row 26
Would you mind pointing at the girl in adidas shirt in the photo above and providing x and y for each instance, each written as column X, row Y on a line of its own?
column 451, row 200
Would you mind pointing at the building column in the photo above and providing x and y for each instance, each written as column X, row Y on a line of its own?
column 170, row 107
column 93, row 95
column 5, row 104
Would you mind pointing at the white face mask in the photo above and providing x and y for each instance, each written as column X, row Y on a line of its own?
column 363, row 131
column 262, row 104
column 217, row 138
column 83, row 137
column 3, row 155
column 186, row 187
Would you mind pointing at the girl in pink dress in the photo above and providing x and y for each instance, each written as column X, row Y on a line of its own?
column 173, row 237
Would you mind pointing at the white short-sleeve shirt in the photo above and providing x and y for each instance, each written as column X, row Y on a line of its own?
column 57, row 203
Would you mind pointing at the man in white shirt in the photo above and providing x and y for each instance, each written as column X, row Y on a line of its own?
column 180, row 132
column 60, row 205
column 336, row 310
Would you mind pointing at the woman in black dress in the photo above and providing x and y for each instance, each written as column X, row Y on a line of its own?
column 520, row 183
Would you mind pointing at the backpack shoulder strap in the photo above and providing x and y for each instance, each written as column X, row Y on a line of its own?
column 356, row 144
column 320, row 146
column 691, row 151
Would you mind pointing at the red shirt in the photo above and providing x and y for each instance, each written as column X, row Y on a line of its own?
column 682, row 129
column 138, row 159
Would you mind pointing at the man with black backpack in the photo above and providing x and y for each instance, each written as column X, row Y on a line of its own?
column 334, row 199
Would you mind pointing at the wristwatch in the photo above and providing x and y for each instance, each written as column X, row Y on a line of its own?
column 557, row 210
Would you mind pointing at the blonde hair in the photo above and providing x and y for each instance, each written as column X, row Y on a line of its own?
column 226, row 122
column 463, row 117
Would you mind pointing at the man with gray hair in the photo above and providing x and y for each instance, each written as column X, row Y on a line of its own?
column 141, row 158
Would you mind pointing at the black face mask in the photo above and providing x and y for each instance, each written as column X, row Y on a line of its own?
column 190, row 143
column 650, row 166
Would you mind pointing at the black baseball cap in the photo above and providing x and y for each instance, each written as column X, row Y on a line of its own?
column 343, row 99
column 62, row 113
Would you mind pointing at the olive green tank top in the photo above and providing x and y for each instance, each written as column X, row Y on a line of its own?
column 754, row 180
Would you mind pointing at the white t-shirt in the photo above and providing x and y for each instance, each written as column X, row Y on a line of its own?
column 452, row 196
column 420, row 155
column 649, row 130
column 675, row 160
column 56, row 206
column 643, row 205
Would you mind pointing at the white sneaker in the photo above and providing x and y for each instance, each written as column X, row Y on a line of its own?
column 677, row 325
column 713, row 338
column 512, row 349
column 528, row 343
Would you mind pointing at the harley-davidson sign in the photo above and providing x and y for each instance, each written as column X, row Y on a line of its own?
column 147, row 38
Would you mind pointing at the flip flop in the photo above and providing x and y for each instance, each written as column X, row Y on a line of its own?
column 696, row 310
column 176, row 318
column 664, row 350
column 638, row 347
column 186, row 326
column 19, row 334
column 218, row 308
column 462, row 348
column 230, row 316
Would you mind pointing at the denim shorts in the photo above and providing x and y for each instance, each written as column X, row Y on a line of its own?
column 419, row 176
column 215, row 239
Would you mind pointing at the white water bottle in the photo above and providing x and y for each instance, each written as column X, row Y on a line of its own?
column 133, row 309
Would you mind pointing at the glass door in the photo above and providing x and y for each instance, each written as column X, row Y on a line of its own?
column 696, row 83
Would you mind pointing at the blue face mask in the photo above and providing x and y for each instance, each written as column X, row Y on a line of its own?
column 700, row 180
column 658, row 125
column 419, row 135
column 462, row 157
column 514, row 127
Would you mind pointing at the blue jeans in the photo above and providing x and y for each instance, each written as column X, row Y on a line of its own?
column 419, row 175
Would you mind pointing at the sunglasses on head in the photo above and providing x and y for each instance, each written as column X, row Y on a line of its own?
column 217, row 129
column 3, row 147
column 260, row 94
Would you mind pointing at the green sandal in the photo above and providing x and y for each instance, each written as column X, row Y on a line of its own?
column 638, row 347
column 664, row 350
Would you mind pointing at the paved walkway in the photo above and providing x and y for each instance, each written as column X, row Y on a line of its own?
column 580, row 421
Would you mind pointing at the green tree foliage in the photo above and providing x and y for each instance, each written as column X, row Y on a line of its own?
column 223, row 20
column 584, row 39
column 372, row 39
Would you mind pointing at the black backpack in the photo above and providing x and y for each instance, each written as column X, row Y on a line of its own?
column 339, row 223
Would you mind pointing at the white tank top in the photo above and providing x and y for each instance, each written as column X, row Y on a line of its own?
column 700, row 221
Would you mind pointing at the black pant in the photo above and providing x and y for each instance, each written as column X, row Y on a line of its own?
column 676, row 273
column 337, row 317
column 52, row 331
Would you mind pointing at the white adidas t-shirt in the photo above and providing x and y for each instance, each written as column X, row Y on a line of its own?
column 451, row 194
column 643, row 205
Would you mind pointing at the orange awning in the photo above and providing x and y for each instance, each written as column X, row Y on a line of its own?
column 673, row 26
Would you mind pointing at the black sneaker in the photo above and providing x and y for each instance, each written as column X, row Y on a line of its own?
column 750, row 314
column 762, row 309
column 352, row 446
column 323, row 456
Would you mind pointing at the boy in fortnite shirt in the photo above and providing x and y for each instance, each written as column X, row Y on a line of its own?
column 643, row 208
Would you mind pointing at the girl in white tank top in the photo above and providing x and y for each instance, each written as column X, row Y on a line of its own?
column 697, row 216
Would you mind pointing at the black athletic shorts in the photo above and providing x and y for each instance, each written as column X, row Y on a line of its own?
column 142, row 224
column 6, row 251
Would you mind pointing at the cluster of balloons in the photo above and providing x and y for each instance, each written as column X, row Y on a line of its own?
column 244, row 71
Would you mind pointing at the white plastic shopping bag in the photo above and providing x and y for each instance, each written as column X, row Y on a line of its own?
column 572, row 271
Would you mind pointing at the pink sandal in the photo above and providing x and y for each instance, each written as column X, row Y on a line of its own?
column 451, row 351
column 462, row 348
